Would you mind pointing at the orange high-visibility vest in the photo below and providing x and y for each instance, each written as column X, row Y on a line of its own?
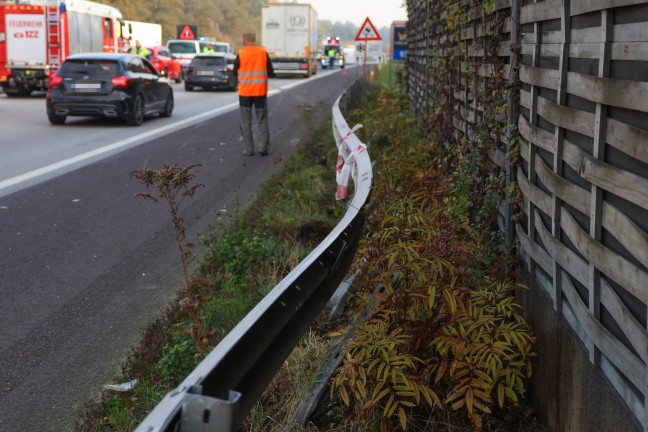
column 253, row 72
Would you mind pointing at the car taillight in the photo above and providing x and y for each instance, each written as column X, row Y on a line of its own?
column 121, row 81
column 55, row 81
column 223, row 70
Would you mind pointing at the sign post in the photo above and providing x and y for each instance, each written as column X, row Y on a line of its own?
column 366, row 33
column 398, row 43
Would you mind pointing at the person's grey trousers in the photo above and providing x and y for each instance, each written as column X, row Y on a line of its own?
column 263, row 130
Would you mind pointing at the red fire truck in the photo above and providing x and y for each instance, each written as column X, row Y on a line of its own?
column 37, row 35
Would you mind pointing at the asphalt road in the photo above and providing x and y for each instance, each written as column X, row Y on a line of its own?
column 85, row 266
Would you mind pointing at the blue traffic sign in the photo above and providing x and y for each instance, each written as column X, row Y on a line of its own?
column 399, row 42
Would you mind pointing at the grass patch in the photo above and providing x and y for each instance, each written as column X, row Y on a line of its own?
column 243, row 260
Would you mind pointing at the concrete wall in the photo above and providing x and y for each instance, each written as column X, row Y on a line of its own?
column 570, row 393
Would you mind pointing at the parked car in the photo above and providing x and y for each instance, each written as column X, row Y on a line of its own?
column 224, row 47
column 184, row 50
column 210, row 71
column 111, row 85
column 168, row 66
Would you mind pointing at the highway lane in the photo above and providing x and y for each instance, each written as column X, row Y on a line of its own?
column 32, row 150
column 85, row 266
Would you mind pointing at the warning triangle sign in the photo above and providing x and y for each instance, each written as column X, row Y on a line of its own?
column 186, row 33
column 368, row 32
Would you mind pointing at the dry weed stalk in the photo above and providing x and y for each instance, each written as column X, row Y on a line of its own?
column 172, row 184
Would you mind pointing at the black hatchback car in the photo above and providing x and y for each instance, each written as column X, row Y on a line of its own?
column 114, row 85
column 210, row 71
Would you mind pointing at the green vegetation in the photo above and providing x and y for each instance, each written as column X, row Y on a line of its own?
column 225, row 20
column 441, row 344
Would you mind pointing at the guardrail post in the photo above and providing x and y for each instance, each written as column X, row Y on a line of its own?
column 202, row 413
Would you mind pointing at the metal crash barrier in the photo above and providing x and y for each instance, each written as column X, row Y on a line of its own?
column 220, row 392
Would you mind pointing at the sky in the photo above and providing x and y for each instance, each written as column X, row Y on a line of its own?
column 380, row 12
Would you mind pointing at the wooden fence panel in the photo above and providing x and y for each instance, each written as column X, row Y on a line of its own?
column 582, row 118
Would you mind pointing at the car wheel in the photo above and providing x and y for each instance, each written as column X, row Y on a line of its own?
column 136, row 116
column 168, row 106
column 188, row 87
column 55, row 119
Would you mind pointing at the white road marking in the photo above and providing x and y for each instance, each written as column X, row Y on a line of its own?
column 112, row 148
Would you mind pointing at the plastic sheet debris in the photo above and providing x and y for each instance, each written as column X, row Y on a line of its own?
column 121, row 387
column 345, row 163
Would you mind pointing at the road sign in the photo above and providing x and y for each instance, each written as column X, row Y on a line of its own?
column 399, row 41
column 367, row 32
column 187, row 32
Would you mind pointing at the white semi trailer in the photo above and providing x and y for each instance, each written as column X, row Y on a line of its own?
column 289, row 34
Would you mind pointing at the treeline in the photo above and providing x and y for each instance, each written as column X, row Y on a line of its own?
column 225, row 20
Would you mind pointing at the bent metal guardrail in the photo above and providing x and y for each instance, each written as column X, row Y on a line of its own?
column 222, row 389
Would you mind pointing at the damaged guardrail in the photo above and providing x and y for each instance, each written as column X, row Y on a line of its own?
column 220, row 392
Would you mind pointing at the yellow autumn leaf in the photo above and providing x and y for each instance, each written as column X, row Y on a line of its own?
column 480, row 406
column 390, row 407
column 511, row 394
column 344, row 395
column 402, row 417
column 455, row 406
column 469, row 400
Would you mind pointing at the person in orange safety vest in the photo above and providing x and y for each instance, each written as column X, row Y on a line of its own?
column 252, row 67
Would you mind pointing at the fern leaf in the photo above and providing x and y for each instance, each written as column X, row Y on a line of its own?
column 476, row 421
column 443, row 366
column 482, row 395
column 457, row 394
column 469, row 400
column 511, row 394
column 460, row 403
column 391, row 406
column 383, row 371
column 380, row 395
column 482, row 407
column 431, row 297
column 431, row 397
column 344, row 395
column 361, row 390
column 402, row 417
column 405, row 393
